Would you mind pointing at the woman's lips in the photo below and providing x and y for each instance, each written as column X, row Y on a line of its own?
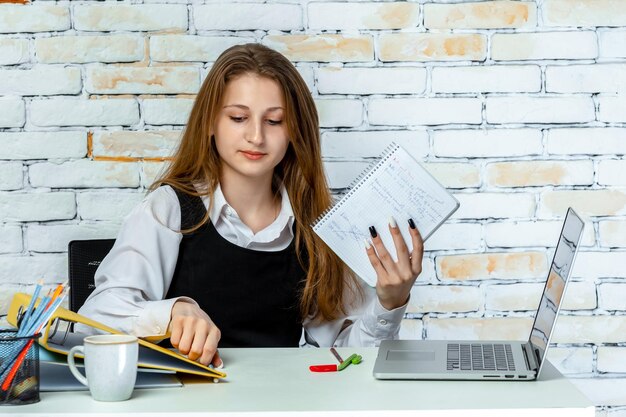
column 253, row 155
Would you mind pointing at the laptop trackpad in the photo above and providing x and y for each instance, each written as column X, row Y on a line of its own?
column 410, row 355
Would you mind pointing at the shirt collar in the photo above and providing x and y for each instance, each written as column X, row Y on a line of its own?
column 284, row 220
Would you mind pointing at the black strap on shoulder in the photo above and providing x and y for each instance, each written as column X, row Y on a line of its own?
column 192, row 209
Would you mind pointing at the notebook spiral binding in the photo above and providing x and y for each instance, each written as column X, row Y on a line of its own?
column 354, row 185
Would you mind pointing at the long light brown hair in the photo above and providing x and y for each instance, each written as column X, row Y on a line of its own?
column 196, row 161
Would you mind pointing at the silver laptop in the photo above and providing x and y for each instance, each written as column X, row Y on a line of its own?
column 497, row 360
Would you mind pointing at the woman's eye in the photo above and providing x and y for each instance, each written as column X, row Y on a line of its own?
column 237, row 119
column 274, row 122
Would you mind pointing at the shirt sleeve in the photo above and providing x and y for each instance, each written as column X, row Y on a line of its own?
column 366, row 324
column 133, row 279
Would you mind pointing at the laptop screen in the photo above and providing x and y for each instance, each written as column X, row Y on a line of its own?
column 560, row 271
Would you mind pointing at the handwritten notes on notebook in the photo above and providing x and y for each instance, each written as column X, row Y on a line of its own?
column 396, row 186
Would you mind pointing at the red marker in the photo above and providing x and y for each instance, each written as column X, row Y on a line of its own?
column 323, row 368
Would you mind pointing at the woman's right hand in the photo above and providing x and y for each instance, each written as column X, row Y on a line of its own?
column 194, row 334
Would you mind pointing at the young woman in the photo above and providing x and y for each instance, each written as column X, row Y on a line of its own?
column 221, row 252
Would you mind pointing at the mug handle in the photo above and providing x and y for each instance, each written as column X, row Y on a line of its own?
column 72, row 364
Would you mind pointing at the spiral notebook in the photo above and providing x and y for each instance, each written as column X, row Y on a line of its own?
column 397, row 185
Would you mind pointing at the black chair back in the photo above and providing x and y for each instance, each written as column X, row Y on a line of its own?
column 84, row 257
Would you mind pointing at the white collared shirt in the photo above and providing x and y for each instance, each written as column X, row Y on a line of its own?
column 133, row 280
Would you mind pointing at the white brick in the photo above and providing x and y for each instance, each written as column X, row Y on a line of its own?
column 84, row 174
column 590, row 329
column 612, row 108
column 544, row 45
column 602, row 391
column 444, row 299
column 342, row 174
column 11, row 241
column 612, row 44
column 548, row 109
column 583, row 12
column 611, row 359
column 191, row 48
column 22, row 269
column 12, row 112
column 40, row 81
column 590, row 265
column 480, row 15
column 611, row 172
column 13, row 51
column 587, row 141
column 371, row 144
column 150, row 171
column 530, row 233
column 55, row 238
column 42, row 145
column 494, row 205
column 424, row 111
column 103, row 205
column 595, row 78
column 612, row 296
column 466, row 236
column 513, row 297
column 487, row 142
column 455, row 175
column 612, row 233
column 136, row 17
column 33, row 18
column 339, row 112
column 135, row 144
column 166, row 111
column 593, row 202
column 487, row 79
column 283, row 17
column 402, row 80
column 370, row 15
column 580, row 296
column 37, row 206
column 73, row 112
column 578, row 360
column 411, row 329
column 488, row 328
column 82, row 49
column 539, row 173
column 11, row 175
column 135, row 80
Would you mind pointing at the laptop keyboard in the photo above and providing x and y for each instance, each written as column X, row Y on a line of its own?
column 480, row 357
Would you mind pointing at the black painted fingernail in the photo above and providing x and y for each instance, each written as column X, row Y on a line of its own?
column 411, row 223
column 373, row 231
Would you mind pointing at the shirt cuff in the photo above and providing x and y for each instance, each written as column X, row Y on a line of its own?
column 383, row 323
column 154, row 320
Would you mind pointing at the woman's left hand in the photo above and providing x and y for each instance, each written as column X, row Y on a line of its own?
column 395, row 279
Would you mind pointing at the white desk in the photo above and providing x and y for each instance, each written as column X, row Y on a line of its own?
column 272, row 382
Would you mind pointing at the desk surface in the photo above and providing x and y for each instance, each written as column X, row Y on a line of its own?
column 271, row 381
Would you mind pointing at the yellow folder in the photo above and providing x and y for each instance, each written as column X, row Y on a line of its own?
column 150, row 355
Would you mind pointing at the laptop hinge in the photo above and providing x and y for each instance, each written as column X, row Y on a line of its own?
column 532, row 362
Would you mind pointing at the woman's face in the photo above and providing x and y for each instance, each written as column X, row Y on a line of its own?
column 250, row 130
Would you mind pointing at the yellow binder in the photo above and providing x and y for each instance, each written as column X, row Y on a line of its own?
column 150, row 355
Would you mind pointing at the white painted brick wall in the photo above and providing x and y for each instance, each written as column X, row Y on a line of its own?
column 40, row 81
column 11, row 175
column 284, row 17
column 42, row 145
column 424, row 111
column 12, row 112
column 84, row 174
column 72, row 112
column 37, row 206
column 517, row 107
column 487, row 79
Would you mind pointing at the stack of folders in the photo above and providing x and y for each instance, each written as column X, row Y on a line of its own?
column 158, row 366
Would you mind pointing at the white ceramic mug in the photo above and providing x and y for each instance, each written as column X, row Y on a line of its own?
column 110, row 365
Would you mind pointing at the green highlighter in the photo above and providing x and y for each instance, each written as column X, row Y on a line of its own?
column 354, row 358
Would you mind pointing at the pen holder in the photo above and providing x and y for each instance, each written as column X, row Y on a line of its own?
column 19, row 368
